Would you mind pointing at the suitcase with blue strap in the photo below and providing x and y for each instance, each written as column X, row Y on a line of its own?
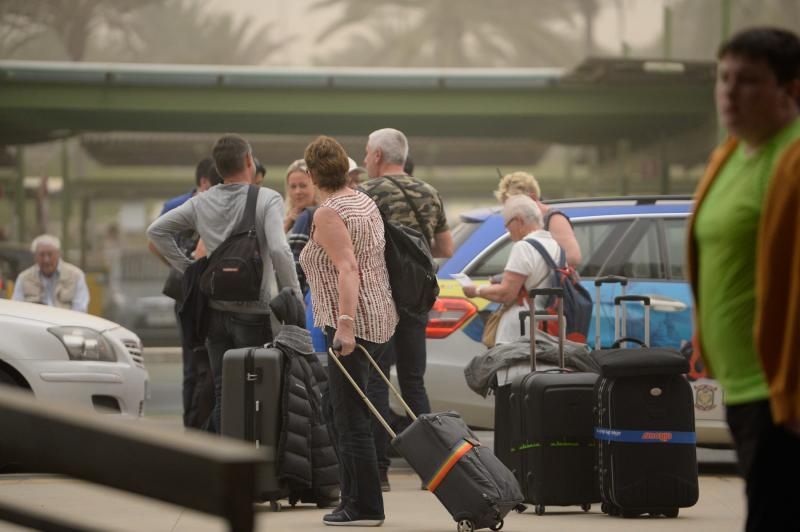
column 647, row 458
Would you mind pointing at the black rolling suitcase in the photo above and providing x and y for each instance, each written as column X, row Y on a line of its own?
column 468, row 479
column 552, row 429
column 251, row 402
column 647, row 458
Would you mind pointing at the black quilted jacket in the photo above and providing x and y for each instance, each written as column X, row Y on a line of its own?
column 306, row 458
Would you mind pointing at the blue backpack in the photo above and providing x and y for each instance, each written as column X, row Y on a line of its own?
column 577, row 301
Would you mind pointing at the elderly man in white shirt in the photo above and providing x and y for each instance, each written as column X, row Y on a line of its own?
column 525, row 267
column 52, row 281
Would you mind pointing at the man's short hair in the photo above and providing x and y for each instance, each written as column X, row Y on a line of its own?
column 779, row 48
column 206, row 168
column 45, row 240
column 229, row 154
column 392, row 143
column 521, row 206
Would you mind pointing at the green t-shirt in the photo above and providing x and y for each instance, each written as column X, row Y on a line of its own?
column 726, row 229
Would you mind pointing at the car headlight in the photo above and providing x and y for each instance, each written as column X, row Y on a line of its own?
column 84, row 344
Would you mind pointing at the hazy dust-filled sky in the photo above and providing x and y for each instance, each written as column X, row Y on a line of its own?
column 297, row 24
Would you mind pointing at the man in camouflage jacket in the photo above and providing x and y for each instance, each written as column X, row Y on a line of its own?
column 414, row 203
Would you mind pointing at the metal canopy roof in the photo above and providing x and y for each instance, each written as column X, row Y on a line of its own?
column 601, row 100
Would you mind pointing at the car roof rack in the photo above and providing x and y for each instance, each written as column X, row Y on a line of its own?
column 629, row 200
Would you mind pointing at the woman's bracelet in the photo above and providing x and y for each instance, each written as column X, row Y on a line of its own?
column 346, row 317
column 478, row 290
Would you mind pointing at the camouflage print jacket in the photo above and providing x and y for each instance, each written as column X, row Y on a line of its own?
column 393, row 204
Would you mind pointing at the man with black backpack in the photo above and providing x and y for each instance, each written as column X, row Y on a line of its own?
column 413, row 203
column 241, row 226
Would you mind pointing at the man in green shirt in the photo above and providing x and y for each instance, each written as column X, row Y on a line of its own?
column 757, row 93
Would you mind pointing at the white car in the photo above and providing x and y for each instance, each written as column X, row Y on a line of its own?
column 68, row 356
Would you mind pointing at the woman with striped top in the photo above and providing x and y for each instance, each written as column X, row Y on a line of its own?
column 346, row 272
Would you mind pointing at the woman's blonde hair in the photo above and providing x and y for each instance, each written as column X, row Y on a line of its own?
column 517, row 183
column 297, row 166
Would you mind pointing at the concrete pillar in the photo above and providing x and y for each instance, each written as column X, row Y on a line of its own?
column 66, row 199
column 19, row 196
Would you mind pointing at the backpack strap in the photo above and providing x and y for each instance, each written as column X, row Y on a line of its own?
column 248, row 220
column 413, row 207
column 547, row 258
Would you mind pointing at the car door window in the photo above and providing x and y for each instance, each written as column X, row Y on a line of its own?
column 494, row 261
column 644, row 260
column 675, row 231
column 597, row 238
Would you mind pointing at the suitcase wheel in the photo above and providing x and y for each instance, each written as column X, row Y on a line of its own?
column 497, row 526
column 610, row 509
column 586, row 507
column 539, row 509
column 671, row 513
column 465, row 525
column 275, row 506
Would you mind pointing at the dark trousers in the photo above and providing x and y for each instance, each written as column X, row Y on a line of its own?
column 231, row 330
column 407, row 350
column 198, row 385
column 198, row 388
column 769, row 460
column 358, row 466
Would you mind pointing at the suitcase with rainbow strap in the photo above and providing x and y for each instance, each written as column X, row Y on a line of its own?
column 468, row 479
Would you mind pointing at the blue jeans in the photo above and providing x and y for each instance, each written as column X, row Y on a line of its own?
column 231, row 330
column 406, row 349
column 358, row 466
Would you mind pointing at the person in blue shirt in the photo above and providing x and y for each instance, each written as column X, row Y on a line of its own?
column 198, row 386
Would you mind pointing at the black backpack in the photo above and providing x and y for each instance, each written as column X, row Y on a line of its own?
column 412, row 270
column 235, row 269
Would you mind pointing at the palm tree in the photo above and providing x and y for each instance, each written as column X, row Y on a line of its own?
column 139, row 31
column 73, row 22
column 180, row 31
column 451, row 33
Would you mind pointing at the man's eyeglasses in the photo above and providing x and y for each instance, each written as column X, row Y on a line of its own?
column 509, row 221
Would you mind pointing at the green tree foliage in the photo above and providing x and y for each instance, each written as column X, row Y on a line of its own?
column 458, row 33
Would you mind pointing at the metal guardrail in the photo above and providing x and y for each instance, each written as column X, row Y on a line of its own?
column 202, row 472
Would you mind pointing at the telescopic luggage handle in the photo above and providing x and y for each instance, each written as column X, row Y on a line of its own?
column 611, row 279
column 600, row 281
column 620, row 331
column 544, row 315
column 335, row 357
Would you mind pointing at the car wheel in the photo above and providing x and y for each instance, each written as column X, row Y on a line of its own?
column 7, row 379
column 6, row 466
